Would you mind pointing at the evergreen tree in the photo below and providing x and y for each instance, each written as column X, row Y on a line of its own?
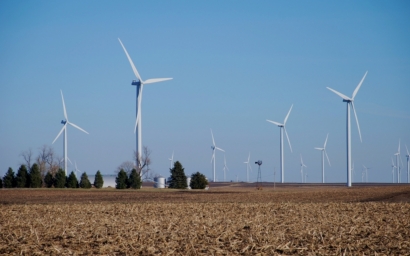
column 98, row 180
column 198, row 181
column 85, row 182
column 178, row 178
column 49, row 180
column 22, row 180
column 35, row 180
column 1, row 183
column 72, row 181
column 134, row 180
column 59, row 179
column 9, row 181
column 121, row 180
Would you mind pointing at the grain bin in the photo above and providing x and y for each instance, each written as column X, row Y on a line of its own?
column 188, row 181
column 159, row 182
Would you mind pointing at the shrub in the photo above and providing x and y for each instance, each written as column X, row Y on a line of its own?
column 98, row 180
column 198, row 181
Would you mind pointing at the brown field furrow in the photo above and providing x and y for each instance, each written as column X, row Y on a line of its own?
column 306, row 221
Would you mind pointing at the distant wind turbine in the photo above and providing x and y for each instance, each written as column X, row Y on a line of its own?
column 76, row 170
column 225, row 169
column 171, row 159
column 392, row 171
column 323, row 158
column 367, row 175
column 408, row 172
column 301, row 166
column 65, row 122
column 213, row 153
column 282, row 128
column 248, row 165
column 398, row 166
column 350, row 103
column 140, row 86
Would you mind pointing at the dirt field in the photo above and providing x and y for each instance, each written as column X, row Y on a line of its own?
column 229, row 219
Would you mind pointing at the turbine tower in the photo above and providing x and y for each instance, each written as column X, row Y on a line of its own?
column 140, row 86
column 65, row 122
column 248, row 165
column 392, row 171
column 350, row 104
column 323, row 158
column 366, row 173
column 213, row 153
column 282, row 128
column 408, row 173
column 398, row 166
column 301, row 166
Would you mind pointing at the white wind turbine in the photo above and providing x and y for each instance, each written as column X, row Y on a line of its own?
column 65, row 123
column 366, row 168
column 225, row 169
column 171, row 159
column 140, row 86
column 76, row 169
column 213, row 153
column 350, row 103
column 408, row 172
column 398, row 166
column 282, row 127
column 323, row 158
column 392, row 171
column 301, row 167
column 248, row 165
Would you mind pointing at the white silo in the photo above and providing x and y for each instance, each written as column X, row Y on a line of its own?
column 188, row 181
column 159, row 182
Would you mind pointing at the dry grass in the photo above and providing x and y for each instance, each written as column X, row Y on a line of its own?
column 222, row 222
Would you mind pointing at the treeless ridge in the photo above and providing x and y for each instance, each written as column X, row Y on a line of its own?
column 307, row 220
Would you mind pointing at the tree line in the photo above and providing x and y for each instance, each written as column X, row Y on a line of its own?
column 32, row 178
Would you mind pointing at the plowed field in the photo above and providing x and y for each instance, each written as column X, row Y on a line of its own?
column 226, row 220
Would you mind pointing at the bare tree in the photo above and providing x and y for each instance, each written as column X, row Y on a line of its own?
column 47, row 160
column 27, row 158
column 127, row 166
column 143, row 161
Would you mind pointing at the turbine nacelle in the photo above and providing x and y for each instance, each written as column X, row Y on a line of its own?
column 63, row 122
column 136, row 82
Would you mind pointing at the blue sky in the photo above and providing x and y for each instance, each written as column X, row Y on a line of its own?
column 234, row 64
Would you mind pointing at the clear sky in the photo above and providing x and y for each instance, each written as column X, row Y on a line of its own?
column 234, row 64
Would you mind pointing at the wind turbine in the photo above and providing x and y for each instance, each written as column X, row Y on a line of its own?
column 323, row 158
column 65, row 123
column 171, row 159
column 248, row 166
column 398, row 166
column 350, row 103
column 408, row 172
column 76, row 170
column 392, row 171
column 301, row 166
column 213, row 153
column 282, row 127
column 366, row 168
column 140, row 86
column 225, row 168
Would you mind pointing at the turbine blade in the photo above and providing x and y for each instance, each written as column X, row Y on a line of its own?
column 137, row 121
column 58, row 135
column 327, row 158
column 132, row 64
column 286, row 118
column 65, row 112
column 358, row 86
column 319, row 148
column 249, row 157
column 340, row 94
column 398, row 150
column 357, row 121
column 326, row 140
column 278, row 124
column 77, row 127
column 407, row 150
column 213, row 155
column 69, row 161
column 288, row 138
column 220, row 149
column 213, row 141
column 156, row 80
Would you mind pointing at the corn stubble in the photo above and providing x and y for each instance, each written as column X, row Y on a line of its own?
column 206, row 228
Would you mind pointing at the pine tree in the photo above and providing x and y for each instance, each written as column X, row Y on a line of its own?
column 1, row 183
column 49, row 180
column 178, row 178
column 134, row 180
column 121, row 180
column 72, row 181
column 35, row 180
column 9, row 181
column 22, row 180
column 98, row 180
column 198, row 181
column 59, row 179
column 85, row 182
